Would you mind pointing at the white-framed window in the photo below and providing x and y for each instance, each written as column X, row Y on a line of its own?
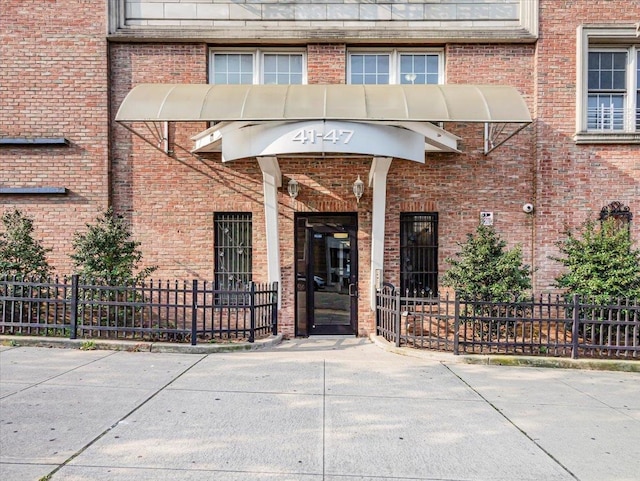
column 610, row 103
column 257, row 66
column 608, row 93
column 395, row 66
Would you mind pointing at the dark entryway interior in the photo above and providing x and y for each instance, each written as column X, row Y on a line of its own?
column 326, row 274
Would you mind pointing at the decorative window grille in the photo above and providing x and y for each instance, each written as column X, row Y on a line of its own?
column 233, row 251
column 419, row 253
column 617, row 211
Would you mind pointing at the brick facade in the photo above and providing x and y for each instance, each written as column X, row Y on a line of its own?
column 62, row 78
column 326, row 64
column 54, row 83
column 573, row 182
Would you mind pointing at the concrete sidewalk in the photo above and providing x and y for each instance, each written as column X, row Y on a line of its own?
column 318, row 409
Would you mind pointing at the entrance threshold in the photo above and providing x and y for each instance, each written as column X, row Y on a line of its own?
column 333, row 330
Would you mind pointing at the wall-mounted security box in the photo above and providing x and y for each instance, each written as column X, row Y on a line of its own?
column 486, row 218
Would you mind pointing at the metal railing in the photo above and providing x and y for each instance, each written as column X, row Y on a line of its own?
column 607, row 118
column 178, row 311
column 549, row 325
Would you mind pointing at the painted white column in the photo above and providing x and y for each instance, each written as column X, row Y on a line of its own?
column 378, row 183
column 271, row 181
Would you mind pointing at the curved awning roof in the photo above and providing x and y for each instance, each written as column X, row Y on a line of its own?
column 418, row 103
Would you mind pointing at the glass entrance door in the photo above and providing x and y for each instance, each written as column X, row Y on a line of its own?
column 327, row 287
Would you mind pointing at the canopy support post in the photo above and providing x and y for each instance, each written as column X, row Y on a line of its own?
column 271, row 181
column 378, row 183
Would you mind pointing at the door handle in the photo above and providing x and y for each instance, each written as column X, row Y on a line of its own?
column 353, row 291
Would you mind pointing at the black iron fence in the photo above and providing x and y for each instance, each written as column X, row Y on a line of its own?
column 549, row 325
column 178, row 311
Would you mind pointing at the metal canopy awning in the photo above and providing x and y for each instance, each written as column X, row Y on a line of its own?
column 419, row 103
column 499, row 107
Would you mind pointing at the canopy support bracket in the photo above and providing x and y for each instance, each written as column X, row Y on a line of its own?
column 493, row 132
column 159, row 132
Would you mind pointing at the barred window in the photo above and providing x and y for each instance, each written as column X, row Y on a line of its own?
column 233, row 251
column 419, row 253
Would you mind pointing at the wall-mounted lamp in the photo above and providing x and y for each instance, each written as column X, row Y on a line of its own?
column 294, row 188
column 358, row 189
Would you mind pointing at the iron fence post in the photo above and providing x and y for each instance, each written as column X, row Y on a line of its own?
column 194, row 312
column 274, row 309
column 252, row 313
column 74, row 306
column 575, row 328
column 397, row 319
column 456, row 325
column 377, row 312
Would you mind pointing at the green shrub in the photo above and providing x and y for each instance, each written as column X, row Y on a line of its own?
column 484, row 269
column 600, row 262
column 106, row 254
column 20, row 254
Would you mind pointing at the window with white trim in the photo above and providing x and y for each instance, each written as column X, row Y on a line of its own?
column 395, row 67
column 608, row 103
column 257, row 67
column 612, row 90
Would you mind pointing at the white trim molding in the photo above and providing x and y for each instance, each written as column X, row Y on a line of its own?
column 603, row 36
column 265, row 21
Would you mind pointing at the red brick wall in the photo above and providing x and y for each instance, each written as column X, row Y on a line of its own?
column 169, row 200
column 172, row 200
column 53, row 83
column 502, row 181
column 326, row 64
column 574, row 181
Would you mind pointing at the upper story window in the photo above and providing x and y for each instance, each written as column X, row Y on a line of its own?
column 608, row 103
column 395, row 67
column 257, row 67
column 612, row 85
